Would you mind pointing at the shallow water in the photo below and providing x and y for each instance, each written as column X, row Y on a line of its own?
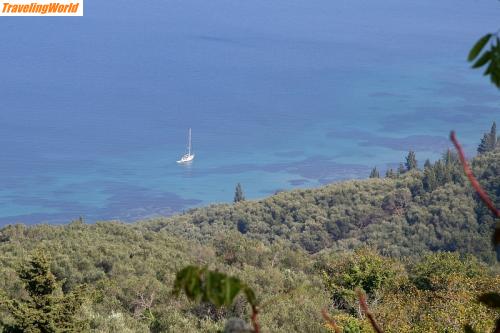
column 279, row 94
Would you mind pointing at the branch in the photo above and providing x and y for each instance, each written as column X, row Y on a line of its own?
column 475, row 184
column 142, row 303
column 330, row 321
column 366, row 311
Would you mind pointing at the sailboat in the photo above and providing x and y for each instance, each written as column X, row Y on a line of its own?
column 188, row 157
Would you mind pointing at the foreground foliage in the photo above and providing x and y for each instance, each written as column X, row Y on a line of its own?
column 489, row 58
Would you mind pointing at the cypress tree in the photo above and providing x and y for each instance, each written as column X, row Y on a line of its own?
column 429, row 181
column 443, row 174
column 374, row 173
column 390, row 173
column 489, row 140
column 485, row 145
column 238, row 193
column 427, row 164
column 411, row 161
column 450, row 158
column 47, row 309
column 493, row 135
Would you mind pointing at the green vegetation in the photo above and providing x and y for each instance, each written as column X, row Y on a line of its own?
column 390, row 173
column 238, row 193
column 418, row 243
column 489, row 141
column 374, row 173
column 411, row 161
column 132, row 270
column 46, row 308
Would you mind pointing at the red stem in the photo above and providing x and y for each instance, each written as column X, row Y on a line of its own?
column 366, row 311
column 255, row 323
column 475, row 184
column 330, row 321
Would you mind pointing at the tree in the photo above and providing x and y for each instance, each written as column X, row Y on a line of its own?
column 390, row 173
column 489, row 140
column 429, row 181
column 493, row 135
column 485, row 145
column 47, row 309
column 242, row 225
column 411, row 161
column 396, row 201
column 374, row 173
column 450, row 158
column 435, row 270
column 427, row 164
column 238, row 193
column 401, row 169
column 363, row 269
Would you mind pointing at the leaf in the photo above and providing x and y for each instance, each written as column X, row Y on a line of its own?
column 489, row 69
column 250, row 294
column 491, row 300
column 476, row 49
column 215, row 288
column 231, row 288
column 199, row 284
column 211, row 288
column 482, row 60
column 495, row 78
column 189, row 280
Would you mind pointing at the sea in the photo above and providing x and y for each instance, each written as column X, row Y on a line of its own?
column 281, row 94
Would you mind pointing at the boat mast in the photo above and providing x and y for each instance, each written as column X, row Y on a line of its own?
column 189, row 146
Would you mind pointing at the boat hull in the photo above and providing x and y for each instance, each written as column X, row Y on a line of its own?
column 186, row 159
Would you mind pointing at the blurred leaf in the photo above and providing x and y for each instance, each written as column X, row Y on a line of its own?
column 199, row 284
column 489, row 69
column 477, row 48
column 485, row 58
column 491, row 58
column 221, row 290
column 491, row 300
column 495, row 79
column 250, row 294
column 232, row 286
column 189, row 280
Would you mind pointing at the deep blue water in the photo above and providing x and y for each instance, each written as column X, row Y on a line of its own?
column 280, row 94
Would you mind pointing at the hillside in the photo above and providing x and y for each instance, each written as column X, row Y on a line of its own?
column 294, row 249
column 399, row 216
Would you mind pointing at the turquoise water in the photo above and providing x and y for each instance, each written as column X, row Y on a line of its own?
column 279, row 94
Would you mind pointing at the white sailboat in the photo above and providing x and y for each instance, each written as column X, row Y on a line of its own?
column 188, row 157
